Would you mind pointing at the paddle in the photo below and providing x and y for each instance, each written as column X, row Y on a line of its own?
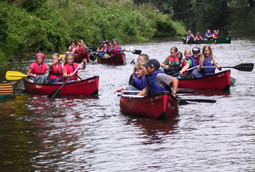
column 14, row 75
column 133, row 51
column 248, row 67
column 176, row 74
column 54, row 93
column 186, row 101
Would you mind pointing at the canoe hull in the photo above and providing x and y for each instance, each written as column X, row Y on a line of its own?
column 160, row 106
column 219, row 81
column 81, row 88
column 120, row 59
column 226, row 40
column 80, row 57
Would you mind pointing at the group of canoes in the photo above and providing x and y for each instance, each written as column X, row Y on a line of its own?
column 151, row 92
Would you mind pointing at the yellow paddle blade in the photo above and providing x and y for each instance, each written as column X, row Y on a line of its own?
column 62, row 56
column 14, row 75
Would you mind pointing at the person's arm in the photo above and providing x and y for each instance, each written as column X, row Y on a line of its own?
column 144, row 92
column 184, row 68
column 29, row 73
column 165, row 64
column 175, row 82
column 84, row 64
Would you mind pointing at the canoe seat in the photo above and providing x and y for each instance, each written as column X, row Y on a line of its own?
column 6, row 89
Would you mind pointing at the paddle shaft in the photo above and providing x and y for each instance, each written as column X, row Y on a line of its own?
column 241, row 67
column 56, row 92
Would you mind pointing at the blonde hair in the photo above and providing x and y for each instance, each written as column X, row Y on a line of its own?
column 55, row 54
column 203, row 55
column 137, row 67
column 68, row 55
column 187, row 50
column 145, row 57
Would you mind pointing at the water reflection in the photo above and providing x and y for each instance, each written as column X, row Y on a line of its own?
column 155, row 130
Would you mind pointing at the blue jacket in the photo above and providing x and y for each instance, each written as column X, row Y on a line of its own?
column 152, row 84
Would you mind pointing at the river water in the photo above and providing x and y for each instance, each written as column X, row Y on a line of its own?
column 91, row 134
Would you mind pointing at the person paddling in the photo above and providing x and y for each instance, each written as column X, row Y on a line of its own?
column 191, row 64
column 208, row 35
column 38, row 71
column 208, row 60
column 56, row 70
column 190, row 36
column 157, row 80
column 70, row 67
column 115, row 49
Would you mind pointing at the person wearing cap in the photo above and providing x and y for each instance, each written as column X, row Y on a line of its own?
column 157, row 80
column 191, row 65
column 172, row 63
column 38, row 71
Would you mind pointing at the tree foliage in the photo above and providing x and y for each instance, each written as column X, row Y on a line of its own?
column 50, row 25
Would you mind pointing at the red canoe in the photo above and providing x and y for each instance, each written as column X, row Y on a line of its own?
column 80, row 57
column 158, row 106
column 119, row 59
column 85, row 87
column 219, row 81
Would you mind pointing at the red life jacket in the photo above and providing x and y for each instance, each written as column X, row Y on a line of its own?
column 39, row 69
column 56, row 71
column 70, row 69
column 173, row 61
column 215, row 35
column 115, row 49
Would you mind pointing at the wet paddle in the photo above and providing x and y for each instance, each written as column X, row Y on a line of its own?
column 14, row 75
column 248, row 67
column 56, row 92
column 186, row 101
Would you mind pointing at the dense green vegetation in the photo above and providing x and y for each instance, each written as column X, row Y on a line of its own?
column 50, row 25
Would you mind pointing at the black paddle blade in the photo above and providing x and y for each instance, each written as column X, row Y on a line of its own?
column 93, row 56
column 53, row 94
column 186, row 101
column 245, row 67
column 136, row 51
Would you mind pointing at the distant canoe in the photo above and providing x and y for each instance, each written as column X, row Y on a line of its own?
column 80, row 57
column 119, row 59
column 85, row 87
column 219, row 81
column 226, row 40
column 6, row 90
column 159, row 106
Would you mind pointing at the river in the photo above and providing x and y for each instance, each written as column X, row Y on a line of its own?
column 91, row 134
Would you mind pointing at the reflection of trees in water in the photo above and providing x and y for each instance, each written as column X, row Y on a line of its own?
column 16, row 136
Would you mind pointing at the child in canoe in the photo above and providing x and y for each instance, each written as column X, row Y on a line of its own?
column 136, row 80
column 187, row 54
column 198, row 37
column 70, row 67
column 215, row 34
column 191, row 65
column 56, row 70
column 190, row 36
column 172, row 62
column 208, row 60
column 157, row 80
column 38, row 71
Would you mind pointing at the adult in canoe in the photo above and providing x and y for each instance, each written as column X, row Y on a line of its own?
column 56, row 70
column 38, row 71
column 189, row 37
column 70, row 66
column 157, row 80
column 172, row 63
column 208, row 35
